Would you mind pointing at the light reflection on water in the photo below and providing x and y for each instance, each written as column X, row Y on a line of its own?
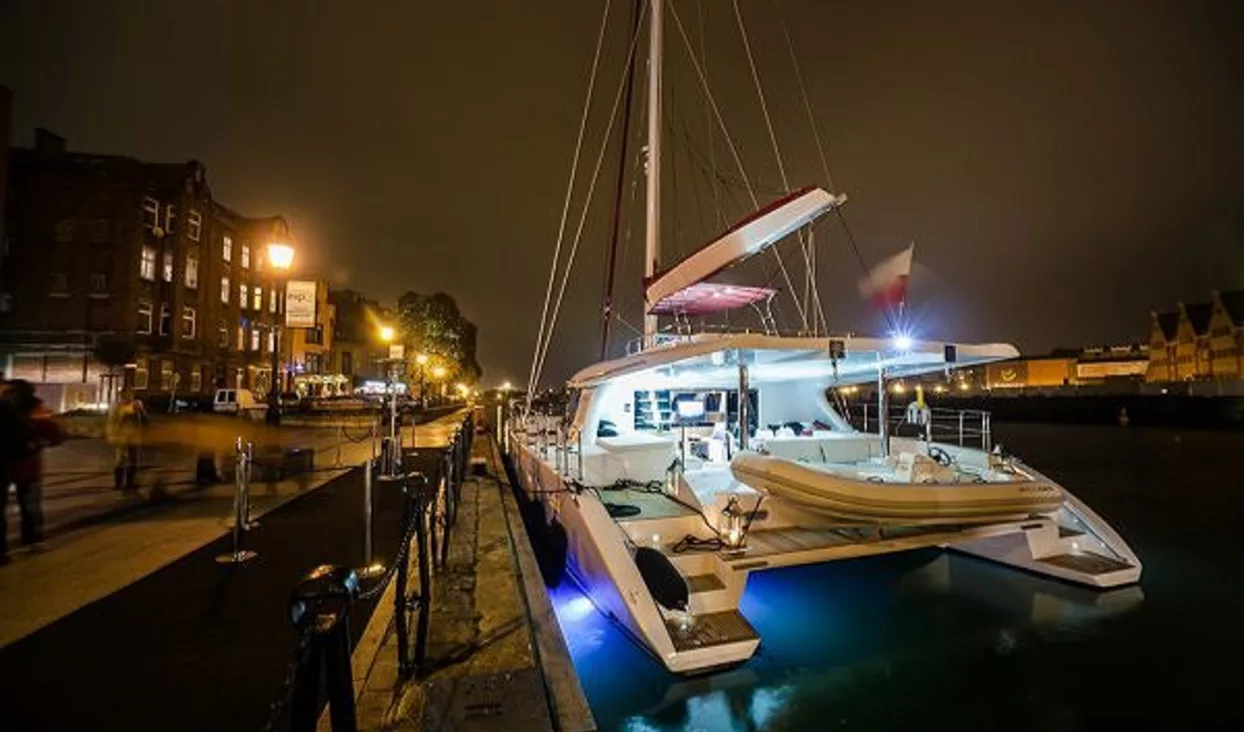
column 879, row 642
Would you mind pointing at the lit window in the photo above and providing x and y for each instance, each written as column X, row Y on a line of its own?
column 271, row 340
column 166, row 318
column 226, row 248
column 272, row 300
column 243, row 295
column 222, row 334
column 258, row 298
column 169, row 214
column 246, row 256
column 151, row 213
column 224, row 289
column 192, row 270
column 254, row 339
column 241, row 337
column 166, row 374
column 194, row 225
column 144, row 316
column 140, row 373
column 196, row 378
column 188, row 323
column 168, row 265
column 147, row 267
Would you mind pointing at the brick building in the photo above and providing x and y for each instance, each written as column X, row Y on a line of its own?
column 106, row 247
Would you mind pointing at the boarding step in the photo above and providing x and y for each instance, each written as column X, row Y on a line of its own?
column 704, row 583
column 711, row 629
column 1067, row 533
column 707, row 593
column 1086, row 562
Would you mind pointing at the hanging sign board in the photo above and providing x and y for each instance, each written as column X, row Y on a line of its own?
column 300, row 304
column 397, row 351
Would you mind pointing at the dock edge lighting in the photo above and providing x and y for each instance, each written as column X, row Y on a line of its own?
column 733, row 515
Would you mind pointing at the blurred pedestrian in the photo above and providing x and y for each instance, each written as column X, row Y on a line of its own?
column 29, row 429
column 124, row 432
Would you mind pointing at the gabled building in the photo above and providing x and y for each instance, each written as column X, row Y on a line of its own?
column 1226, row 335
column 1199, row 341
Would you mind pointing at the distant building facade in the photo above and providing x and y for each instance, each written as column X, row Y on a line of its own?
column 105, row 247
column 1202, row 341
column 358, row 350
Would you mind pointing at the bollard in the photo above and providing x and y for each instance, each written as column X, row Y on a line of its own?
column 240, row 509
column 246, row 489
column 320, row 607
column 372, row 568
column 341, row 435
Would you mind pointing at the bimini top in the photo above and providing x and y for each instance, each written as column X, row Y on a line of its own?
column 664, row 291
column 710, row 297
column 712, row 360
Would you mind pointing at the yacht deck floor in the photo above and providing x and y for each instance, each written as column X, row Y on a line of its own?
column 651, row 505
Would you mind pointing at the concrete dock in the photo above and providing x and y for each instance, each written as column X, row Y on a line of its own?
column 496, row 657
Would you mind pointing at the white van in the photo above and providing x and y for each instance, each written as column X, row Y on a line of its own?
column 238, row 401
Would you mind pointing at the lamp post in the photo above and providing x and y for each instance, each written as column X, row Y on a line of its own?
column 438, row 373
column 422, row 360
column 390, row 365
column 280, row 258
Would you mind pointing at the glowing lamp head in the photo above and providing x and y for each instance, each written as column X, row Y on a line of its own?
column 421, row 359
column 902, row 342
column 280, row 255
column 506, row 386
column 438, row 372
column 386, row 333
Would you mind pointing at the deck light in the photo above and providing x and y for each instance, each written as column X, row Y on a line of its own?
column 735, row 537
column 902, row 342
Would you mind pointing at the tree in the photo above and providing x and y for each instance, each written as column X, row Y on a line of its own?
column 433, row 325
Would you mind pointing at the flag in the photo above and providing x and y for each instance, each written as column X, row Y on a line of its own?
column 886, row 284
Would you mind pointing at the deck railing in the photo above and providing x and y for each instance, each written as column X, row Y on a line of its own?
column 962, row 427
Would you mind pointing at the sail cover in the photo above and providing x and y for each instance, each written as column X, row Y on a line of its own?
column 748, row 237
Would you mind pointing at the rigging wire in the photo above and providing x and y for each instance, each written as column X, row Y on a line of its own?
column 587, row 203
column 574, row 167
column 816, row 135
column 777, row 154
column 708, row 115
column 734, row 151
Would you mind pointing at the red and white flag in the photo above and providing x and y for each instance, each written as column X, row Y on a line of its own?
column 886, row 284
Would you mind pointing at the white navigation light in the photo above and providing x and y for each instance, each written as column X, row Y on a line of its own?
column 902, row 342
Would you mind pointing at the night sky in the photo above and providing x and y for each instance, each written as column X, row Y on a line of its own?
column 1064, row 166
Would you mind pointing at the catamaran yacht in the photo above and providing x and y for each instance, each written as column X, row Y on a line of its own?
column 698, row 458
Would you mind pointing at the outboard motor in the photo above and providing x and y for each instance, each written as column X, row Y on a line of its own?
column 664, row 582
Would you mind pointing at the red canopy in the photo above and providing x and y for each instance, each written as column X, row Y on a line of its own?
column 709, row 297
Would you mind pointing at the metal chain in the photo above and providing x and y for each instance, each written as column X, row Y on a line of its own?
column 403, row 554
column 277, row 708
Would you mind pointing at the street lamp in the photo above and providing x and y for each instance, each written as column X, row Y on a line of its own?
column 422, row 360
column 281, row 258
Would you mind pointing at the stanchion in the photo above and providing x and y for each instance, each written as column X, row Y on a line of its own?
column 320, row 608
column 246, row 492
column 372, row 568
column 341, row 436
column 241, row 508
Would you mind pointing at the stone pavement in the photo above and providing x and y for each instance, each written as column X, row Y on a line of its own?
column 121, row 542
column 496, row 659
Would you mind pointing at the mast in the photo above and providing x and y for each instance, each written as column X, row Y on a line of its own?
column 652, row 231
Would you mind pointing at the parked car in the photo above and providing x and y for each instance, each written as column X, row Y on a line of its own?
column 238, row 401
